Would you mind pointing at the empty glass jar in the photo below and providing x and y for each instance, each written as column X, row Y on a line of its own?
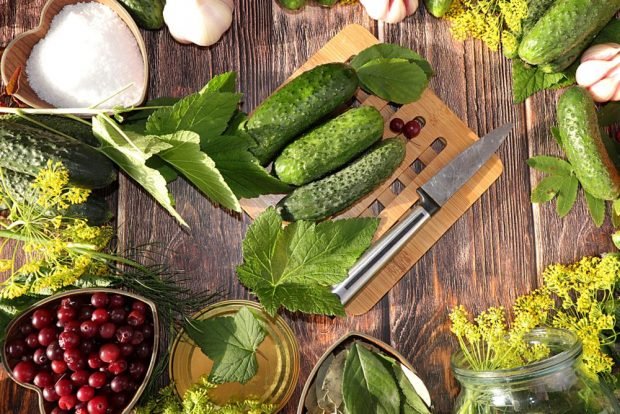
column 556, row 385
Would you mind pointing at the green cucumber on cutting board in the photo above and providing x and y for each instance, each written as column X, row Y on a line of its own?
column 297, row 106
column 334, row 193
column 329, row 146
column 584, row 147
column 26, row 150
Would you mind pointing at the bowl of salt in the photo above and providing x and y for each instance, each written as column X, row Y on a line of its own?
column 82, row 55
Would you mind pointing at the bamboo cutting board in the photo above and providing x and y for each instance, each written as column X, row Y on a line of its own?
column 442, row 138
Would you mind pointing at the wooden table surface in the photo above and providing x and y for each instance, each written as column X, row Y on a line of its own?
column 493, row 253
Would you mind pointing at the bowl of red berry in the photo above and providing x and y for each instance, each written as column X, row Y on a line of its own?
column 87, row 351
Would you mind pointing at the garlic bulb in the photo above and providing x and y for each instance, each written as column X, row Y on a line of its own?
column 599, row 72
column 390, row 11
column 202, row 22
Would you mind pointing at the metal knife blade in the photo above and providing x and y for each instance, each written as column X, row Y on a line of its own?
column 433, row 194
column 451, row 178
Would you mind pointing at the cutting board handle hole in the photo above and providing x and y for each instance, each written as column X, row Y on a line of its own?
column 439, row 145
column 417, row 166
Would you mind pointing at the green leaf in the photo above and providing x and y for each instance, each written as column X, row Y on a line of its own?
column 615, row 219
column 368, row 386
column 546, row 189
column 555, row 131
column 411, row 403
column 185, row 156
column 609, row 114
column 395, row 80
column 527, row 80
column 297, row 266
column 231, row 342
column 206, row 114
column 240, row 169
column 225, row 82
column 615, row 205
column 596, row 206
column 391, row 51
column 156, row 163
column 550, row 165
column 609, row 34
column 616, row 239
column 131, row 158
column 567, row 196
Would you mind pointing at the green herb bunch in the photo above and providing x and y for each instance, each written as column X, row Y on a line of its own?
column 197, row 400
column 56, row 250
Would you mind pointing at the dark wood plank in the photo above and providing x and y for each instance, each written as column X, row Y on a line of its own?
column 486, row 259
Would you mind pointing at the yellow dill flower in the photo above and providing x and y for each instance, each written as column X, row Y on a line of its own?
column 30, row 267
column 6, row 265
column 13, row 290
column 76, row 195
column 487, row 20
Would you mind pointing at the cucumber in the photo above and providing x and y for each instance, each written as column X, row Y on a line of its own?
column 26, row 150
column 334, row 193
column 71, row 127
column 565, row 61
column 438, row 7
column 566, row 25
column 293, row 4
column 329, row 146
column 581, row 139
column 535, row 10
column 297, row 106
column 149, row 14
column 94, row 210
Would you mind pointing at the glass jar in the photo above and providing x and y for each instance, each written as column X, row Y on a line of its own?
column 555, row 385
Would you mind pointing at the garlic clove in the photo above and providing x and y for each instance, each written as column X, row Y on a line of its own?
column 412, row 6
column 202, row 22
column 592, row 71
column 604, row 90
column 396, row 12
column 604, row 51
column 376, row 9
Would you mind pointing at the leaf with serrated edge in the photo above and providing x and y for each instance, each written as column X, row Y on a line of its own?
column 527, row 80
column 224, row 82
column 546, row 189
column 567, row 196
column 596, row 207
column 368, row 386
column 206, row 114
column 550, row 165
column 185, row 156
column 297, row 266
column 117, row 146
column 231, row 342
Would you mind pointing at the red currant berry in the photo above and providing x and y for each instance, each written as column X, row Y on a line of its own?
column 99, row 300
column 412, row 129
column 54, row 352
column 80, row 377
column 63, row 387
column 39, row 357
column 139, row 306
column 117, row 367
column 59, row 367
column 66, row 314
column 32, row 340
column 43, row 379
column 47, row 336
column 118, row 315
column 68, row 340
column 135, row 318
column 67, row 402
column 396, row 125
column 42, row 318
column 100, row 316
column 117, row 301
column 16, row 348
column 72, row 326
column 85, row 313
column 144, row 350
column 24, row 371
column 126, row 349
column 124, row 334
column 85, row 393
column 72, row 355
column 98, row 405
column 49, row 394
column 136, row 369
column 97, row 379
column 109, row 352
column 119, row 383
column 107, row 330
column 94, row 361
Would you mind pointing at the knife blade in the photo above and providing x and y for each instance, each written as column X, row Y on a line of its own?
column 433, row 195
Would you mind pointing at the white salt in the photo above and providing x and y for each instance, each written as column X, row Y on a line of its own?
column 88, row 55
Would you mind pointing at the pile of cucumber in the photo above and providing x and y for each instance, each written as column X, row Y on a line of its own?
column 556, row 32
column 26, row 149
column 333, row 164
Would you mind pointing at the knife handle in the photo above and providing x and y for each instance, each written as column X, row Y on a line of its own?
column 383, row 250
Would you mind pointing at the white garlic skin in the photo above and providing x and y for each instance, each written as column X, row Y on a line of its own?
column 390, row 11
column 599, row 72
column 202, row 22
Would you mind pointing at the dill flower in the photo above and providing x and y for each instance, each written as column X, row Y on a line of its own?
column 56, row 250
column 488, row 20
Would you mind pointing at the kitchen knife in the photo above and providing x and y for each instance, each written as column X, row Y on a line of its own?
column 433, row 195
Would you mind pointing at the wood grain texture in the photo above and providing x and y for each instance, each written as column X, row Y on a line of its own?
column 490, row 256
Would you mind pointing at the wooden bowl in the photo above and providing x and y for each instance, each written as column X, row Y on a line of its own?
column 18, row 51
